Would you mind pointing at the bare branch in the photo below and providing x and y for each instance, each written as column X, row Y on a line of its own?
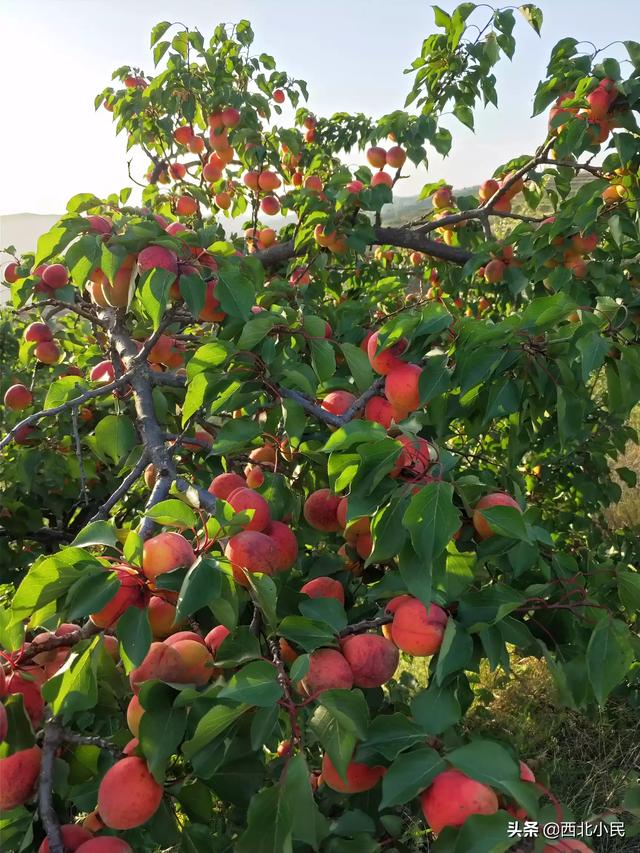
column 366, row 625
column 50, row 745
column 30, row 650
column 132, row 477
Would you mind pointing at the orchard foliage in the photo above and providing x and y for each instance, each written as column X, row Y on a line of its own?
column 248, row 476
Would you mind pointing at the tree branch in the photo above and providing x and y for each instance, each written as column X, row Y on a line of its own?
column 366, row 625
column 30, row 650
column 50, row 745
column 132, row 477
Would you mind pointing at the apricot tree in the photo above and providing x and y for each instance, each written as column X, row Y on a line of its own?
column 248, row 477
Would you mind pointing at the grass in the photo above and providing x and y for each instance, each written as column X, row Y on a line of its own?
column 626, row 513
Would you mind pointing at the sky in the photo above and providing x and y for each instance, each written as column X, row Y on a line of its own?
column 57, row 55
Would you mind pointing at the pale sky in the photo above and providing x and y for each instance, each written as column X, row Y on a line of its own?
column 56, row 55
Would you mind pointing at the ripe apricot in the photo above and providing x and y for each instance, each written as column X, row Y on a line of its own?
column 128, row 794
column 328, row 670
column 337, row 402
column 385, row 360
column 401, row 387
column 244, row 499
column 359, row 777
column 320, row 511
column 324, row 587
column 253, row 551
column 18, row 776
column 372, row 658
column 286, row 545
column 482, row 526
column 452, row 797
column 416, row 630
column 222, row 485
column 165, row 552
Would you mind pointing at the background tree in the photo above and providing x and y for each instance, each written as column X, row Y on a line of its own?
column 244, row 476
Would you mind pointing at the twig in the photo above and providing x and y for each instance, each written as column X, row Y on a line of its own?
column 131, row 478
column 366, row 625
column 30, row 650
column 50, row 745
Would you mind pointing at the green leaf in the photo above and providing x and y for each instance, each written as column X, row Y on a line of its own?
column 506, row 521
column 355, row 432
column 388, row 533
column 436, row 708
column 90, row 593
column 348, row 708
column 257, row 329
column 75, row 687
column 134, row 636
column 193, row 290
column 269, row 823
column 435, row 379
column 359, row 366
column 158, row 31
column 629, row 590
column 609, row 656
column 235, row 435
column 323, row 358
column 201, row 586
column 337, row 739
column 389, row 735
column 240, row 647
column 309, row 826
column 487, row 762
column 235, row 291
column 213, row 723
column 55, row 240
column 533, row 15
column 115, row 437
column 455, row 651
column 153, row 292
column 172, row 513
column 307, row 633
column 63, row 389
column 479, row 834
column 255, row 684
column 325, row 610
column 96, row 533
column 410, row 774
column 161, row 732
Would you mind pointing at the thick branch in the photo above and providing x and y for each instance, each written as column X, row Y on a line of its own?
column 51, row 743
column 30, row 650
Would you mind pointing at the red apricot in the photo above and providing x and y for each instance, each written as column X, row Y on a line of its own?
column 494, row 271
column 286, row 545
column 401, row 387
column 385, row 360
column 320, row 511
column 18, row 776
column 253, row 551
column 328, row 670
column 222, row 485
column 337, row 402
column 242, row 500
column 37, row 332
column 100, row 224
column 215, row 638
column 482, row 526
column 377, row 156
column 324, row 588
column 47, row 352
column 130, row 593
column 163, row 662
column 382, row 179
column 11, row 274
column 128, row 794
column 198, row 663
column 372, row 658
column 391, row 607
column 31, row 696
column 134, row 715
column 18, row 397
column 154, row 257
column 162, row 616
column 382, row 412
column 270, row 205
column 165, row 552
column 55, row 275
column 396, row 157
column 359, row 777
column 73, row 836
column 417, row 630
column 452, row 797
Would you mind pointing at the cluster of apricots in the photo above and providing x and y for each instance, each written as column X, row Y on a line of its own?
column 377, row 157
column 599, row 116
column 574, row 248
column 493, row 271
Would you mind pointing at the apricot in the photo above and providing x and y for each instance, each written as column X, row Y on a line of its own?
column 18, row 776
column 31, row 696
column 452, row 797
column 382, row 179
column 481, row 525
column 324, row 587
column 114, row 293
column 128, row 794
column 337, row 402
column 105, row 844
column 286, row 545
column 18, row 397
column 386, row 360
column 92, row 822
column 442, row 198
column 222, row 485
column 268, row 181
column 320, row 511
column 37, row 332
column 359, row 777
column 253, row 551
column 215, row 638
column 130, row 593
column 165, row 552
column 401, row 387
column 197, row 661
column 313, row 183
column 287, row 652
column 488, row 189
column 377, row 156
column 157, row 257
column 416, row 630
column 11, row 274
column 396, row 157
column 364, row 545
column 162, row 662
column 254, row 475
column 100, row 224
column 230, row 117
column 391, row 607
column 211, row 312
column 4, row 723
column 494, row 271
column 328, row 670
column 162, row 616
column 244, row 499
column 415, row 459
column 355, row 187
column 270, row 205
column 111, row 647
column 73, row 836
column 47, row 352
column 373, row 659
column 381, row 411
column 353, row 528
column 103, row 372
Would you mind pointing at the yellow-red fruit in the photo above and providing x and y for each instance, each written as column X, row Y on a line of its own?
column 320, row 511
column 222, row 485
column 324, row 588
column 494, row 271
column 47, row 352
column 18, row 397
column 352, row 528
column 482, row 526
column 488, row 189
column 286, row 545
column 382, row 412
column 328, row 670
column 196, row 659
column 359, row 777
column 364, row 545
column 452, row 797
column 134, row 715
column 396, row 157
column 105, row 844
column 337, row 402
column 73, row 836
column 416, row 630
column 18, row 776
column 131, row 593
column 401, row 387
column 253, row 551
column 266, row 454
column 268, row 181
column 163, row 662
column 165, row 552
column 391, row 607
column 385, row 360
column 215, row 638
column 442, row 197
column 128, row 794
column 373, row 659
column 37, row 332
column 246, row 500
column 377, row 156
column 270, row 205
column 162, row 616
column 382, row 179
